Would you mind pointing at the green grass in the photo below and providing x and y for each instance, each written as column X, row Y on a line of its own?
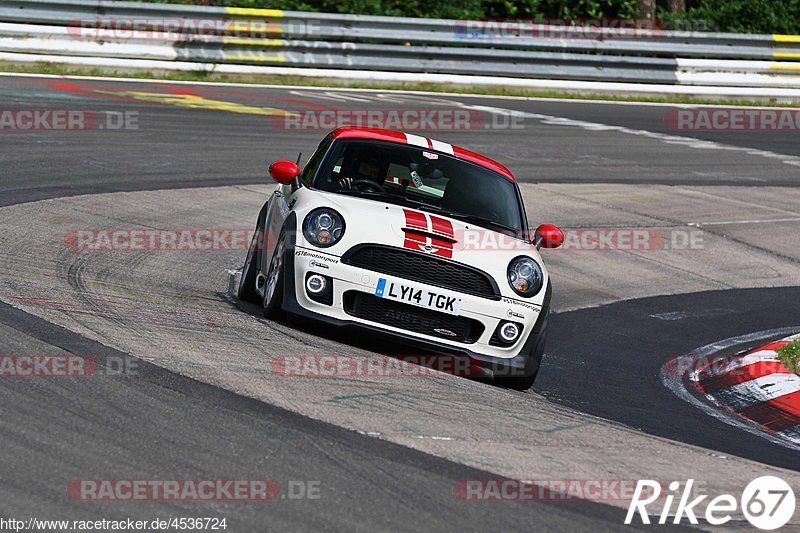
column 62, row 70
column 789, row 355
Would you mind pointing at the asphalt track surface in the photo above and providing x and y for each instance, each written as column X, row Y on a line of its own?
column 621, row 364
column 175, row 148
column 161, row 423
column 603, row 360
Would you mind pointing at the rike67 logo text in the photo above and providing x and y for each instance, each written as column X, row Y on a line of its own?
column 767, row 503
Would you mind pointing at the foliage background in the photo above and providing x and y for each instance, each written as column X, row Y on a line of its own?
column 746, row 16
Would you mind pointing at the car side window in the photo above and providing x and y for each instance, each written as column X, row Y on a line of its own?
column 307, row 177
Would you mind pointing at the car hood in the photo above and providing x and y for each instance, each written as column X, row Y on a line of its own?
column 375, row 222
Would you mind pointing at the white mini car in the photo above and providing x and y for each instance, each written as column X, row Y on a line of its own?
column 410, row 237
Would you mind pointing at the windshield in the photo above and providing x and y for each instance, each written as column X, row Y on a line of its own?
column 423, row 179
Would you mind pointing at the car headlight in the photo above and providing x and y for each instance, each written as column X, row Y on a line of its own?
column 323, row 227
column 525, row 276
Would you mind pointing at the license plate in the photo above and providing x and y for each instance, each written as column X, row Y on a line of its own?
column 419, row 296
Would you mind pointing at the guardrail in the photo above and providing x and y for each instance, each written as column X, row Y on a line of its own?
column 165, row 36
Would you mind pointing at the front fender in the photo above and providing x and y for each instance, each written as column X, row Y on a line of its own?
column 275, row 215
column 290, row 231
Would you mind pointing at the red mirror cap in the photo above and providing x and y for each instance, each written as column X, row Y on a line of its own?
column 552, row 236
column 284, row 171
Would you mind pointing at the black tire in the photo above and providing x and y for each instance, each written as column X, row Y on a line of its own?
column 247, row 285
column 523, row 383
column 273, row 287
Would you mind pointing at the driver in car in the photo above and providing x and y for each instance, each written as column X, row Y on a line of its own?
column 366, row 172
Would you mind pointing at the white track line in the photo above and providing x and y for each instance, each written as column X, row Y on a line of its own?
column 757, row 391
column 732, row 222
column 583, row 100
column 689, row 142
column 544, row 119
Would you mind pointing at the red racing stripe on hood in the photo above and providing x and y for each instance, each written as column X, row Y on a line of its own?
column 444, row 246
column 415, row 220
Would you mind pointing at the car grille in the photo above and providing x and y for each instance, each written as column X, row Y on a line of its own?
column 412, row 318
column 417, row 266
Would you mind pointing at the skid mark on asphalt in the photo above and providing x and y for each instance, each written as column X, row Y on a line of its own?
column 179, row 97
column 89, row 292
column 293, row 101
column 333, row 96
column 119, row 312
column 682, row 315
column 192, row 101
column 43, row 96
column 386, row 402
column 735, row 222
column 392, row 401
column 353, row 401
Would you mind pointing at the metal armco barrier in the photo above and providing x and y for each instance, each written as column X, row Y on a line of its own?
column 165, row 36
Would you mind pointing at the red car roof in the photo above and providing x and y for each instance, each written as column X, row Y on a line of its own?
column 355, row 132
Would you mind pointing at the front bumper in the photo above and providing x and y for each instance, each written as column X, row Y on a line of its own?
column 521, row 358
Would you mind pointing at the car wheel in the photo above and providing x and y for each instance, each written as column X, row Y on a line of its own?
column 523, row 383
column 273, row 288
column 247, row 285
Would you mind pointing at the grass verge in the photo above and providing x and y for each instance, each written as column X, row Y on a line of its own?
column 789, row 355
column 64, row 70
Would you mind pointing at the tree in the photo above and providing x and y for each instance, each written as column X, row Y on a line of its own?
column 647, row 9
column 676, row 6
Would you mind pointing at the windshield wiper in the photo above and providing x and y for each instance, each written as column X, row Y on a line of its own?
column 477, row 219
column 379, row 194
column 422, row 205
column 363, row 194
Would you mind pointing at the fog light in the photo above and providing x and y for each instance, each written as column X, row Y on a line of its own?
column 509, row 332
column 316, row 284
column 319, row 288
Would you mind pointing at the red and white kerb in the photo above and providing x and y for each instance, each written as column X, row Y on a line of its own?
column 756, row 386
column 428, row 233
